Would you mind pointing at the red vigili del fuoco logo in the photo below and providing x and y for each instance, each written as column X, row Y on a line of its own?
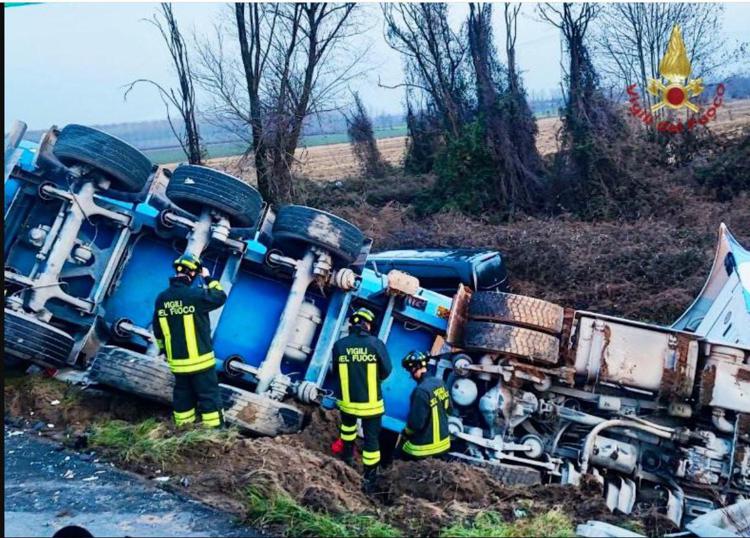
column 674, row 90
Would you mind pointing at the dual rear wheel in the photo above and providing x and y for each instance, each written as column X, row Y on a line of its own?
column 514, row 325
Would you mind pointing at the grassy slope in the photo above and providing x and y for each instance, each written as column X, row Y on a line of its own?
column 155, row 442
column 283, row 513
column 553, row 524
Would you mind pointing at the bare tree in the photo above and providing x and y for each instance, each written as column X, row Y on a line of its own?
column 255, row 34
column 591, row 175
column 481, row 142
column 630, row 40
column 520, row 116
column 182, row 97
column 434, row 56
column 510, row 15
column 287, row 72
column 516, row 181
column 362, row 138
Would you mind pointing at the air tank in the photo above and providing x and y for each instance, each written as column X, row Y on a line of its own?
column 300, row 342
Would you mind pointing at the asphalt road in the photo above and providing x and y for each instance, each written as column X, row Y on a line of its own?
column 47, row 488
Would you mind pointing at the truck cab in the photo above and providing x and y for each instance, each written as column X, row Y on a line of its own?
column 442, row 270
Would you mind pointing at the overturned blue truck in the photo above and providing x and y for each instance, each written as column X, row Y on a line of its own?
column 660, row 416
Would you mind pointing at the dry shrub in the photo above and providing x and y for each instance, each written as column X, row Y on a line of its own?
column 728, row 173
column 649, row 266
column 362, row 137
column 648, row 269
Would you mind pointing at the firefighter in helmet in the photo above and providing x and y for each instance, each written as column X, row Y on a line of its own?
column 361, row 363
column 183, row 333
column 426, row 433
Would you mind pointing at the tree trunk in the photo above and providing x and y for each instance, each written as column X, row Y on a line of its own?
column 256, row 122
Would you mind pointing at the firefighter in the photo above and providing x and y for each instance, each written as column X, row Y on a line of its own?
column 426, row 433
column 183, row 333
column 361, row 363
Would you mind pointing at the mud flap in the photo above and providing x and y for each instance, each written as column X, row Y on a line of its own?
column 258, row 414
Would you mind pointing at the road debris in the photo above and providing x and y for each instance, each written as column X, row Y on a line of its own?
column 600, row 529
column 730, row 521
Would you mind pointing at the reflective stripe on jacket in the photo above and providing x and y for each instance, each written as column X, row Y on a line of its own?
column 182, row 326
column 427, row 424
column 360, row 362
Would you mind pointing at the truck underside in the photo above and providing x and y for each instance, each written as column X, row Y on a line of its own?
column 660, row 416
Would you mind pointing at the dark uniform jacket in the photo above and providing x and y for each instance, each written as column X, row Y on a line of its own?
column 427, row 424
column 361, row 362
column 182, row 327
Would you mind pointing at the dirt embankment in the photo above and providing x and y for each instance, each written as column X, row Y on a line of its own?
column 414, row 497
column 64, row 411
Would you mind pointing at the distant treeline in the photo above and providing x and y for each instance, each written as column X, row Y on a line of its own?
column 157, row 134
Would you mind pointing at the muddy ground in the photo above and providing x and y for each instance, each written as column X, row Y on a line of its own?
column 416, row 497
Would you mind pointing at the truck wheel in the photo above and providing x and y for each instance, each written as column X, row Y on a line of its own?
column 125, row 166
column 516, row 310
column 514, row 475
column 296, row 227
column 510, row 475
column 525, row 343
column 29, row 339
column 134, row 373
column 258, row 414
column 194, row 188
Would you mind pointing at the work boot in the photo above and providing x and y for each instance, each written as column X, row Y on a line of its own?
column 347, row 454
column 343, row 450
column 369, row 480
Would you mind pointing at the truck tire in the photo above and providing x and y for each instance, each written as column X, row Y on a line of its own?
column 510, row 475
column 516, row 310
column 296, row 227
column 134, row 373
column 33, row 340
column 195, row 188
column 126, row 167
column 517, row 341
column 514, row 475
column 257, row 414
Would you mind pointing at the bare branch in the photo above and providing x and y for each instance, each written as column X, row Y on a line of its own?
column 182, row 98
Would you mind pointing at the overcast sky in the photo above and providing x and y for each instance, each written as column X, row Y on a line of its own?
column 69, row 62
